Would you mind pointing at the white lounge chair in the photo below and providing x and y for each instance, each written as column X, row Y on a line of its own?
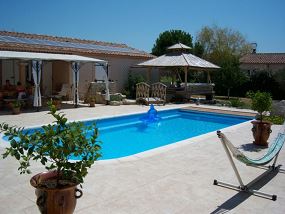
column 64, row 93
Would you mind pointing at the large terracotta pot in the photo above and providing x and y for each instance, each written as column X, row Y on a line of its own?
column 261, row 132
column 55, row 201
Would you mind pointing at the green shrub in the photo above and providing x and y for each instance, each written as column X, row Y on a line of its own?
column 236, row 103
column 166, row 80
column 261, row 102
column 130, row 87
column 278, row 120
column 54, row 145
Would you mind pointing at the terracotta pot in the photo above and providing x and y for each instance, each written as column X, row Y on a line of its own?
column 261, row 132
column 16, row 110
column 57, row 104
column 56, row 200
column 92, row 104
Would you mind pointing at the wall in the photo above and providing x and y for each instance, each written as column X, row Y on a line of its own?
column 119, row 67
column 262, row 67
column 10, row 70
column 46, row 80
column 60, row 74
column 86, row 75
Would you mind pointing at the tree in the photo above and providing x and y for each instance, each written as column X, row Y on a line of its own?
column 229, row 75
column 198, row 49
column 224, row 46
column 168, row 38
column 217, row 41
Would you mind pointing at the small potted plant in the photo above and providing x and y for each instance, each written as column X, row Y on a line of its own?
column 91, row 101
column 54, row 145
column 16, row 107
column 56, row 102
column 261, row 102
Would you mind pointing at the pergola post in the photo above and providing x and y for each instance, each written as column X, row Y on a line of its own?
column 107, row 96
column 37, row 70
column 75, row 68
column 185, row 71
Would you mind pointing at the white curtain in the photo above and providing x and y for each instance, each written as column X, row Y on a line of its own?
column 75, row 69
column 37, row 71
column 102, row 74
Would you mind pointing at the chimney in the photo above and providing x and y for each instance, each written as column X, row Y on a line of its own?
column 253, row 46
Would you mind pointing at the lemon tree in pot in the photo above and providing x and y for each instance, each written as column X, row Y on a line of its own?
column 53, row 145
column 261, row 102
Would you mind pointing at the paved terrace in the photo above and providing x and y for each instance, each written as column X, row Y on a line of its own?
column 173, row 179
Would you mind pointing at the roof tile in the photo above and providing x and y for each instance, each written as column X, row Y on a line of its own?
column 17, row 46
column 263, row 58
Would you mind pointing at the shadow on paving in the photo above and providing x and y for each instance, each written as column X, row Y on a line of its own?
column 250, row 147
column 240, row 197
column 6, row 111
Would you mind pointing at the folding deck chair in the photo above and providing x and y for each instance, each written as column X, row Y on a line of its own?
column 272, row 154
column 158, row 93
column 142, row 92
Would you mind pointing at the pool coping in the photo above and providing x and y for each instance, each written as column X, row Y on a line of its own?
column 236, row 112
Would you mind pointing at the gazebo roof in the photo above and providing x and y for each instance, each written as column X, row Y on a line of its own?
column 179, row 46
column 179, row 60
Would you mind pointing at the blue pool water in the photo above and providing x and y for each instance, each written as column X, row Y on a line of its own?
column 128, row 135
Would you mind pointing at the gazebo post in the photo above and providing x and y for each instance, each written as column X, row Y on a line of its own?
column 148, row 74
column 208, row 77
column 173, row 72
column 185, row 71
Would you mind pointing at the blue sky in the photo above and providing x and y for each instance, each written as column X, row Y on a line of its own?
column 138, row 23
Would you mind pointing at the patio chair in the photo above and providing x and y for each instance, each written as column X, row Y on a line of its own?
column 158, row 93
column 271, row 155
column 142, row 92
column 64, row 93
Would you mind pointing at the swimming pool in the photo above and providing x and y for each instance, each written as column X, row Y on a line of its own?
column 128, row 135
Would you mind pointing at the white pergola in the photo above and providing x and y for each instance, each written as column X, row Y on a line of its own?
column 37, row 59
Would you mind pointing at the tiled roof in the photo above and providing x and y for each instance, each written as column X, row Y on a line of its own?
column 15, row 41
column 263, row 58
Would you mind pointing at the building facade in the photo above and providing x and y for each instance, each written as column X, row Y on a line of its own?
column 120, row 59
column 268, row 62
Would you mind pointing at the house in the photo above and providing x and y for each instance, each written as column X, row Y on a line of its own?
column 256, row 62
column 55, row 73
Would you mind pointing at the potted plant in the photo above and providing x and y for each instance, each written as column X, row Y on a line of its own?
column 56, row 102
column 53, row 146
column 261, row 102
column 16, row 107
column 91, row 101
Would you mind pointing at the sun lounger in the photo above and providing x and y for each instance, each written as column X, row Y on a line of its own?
column 271, row 155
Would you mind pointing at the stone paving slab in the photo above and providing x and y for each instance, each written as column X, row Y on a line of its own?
column 173, row 179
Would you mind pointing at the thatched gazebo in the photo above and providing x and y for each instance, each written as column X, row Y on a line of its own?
column 178, row 56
